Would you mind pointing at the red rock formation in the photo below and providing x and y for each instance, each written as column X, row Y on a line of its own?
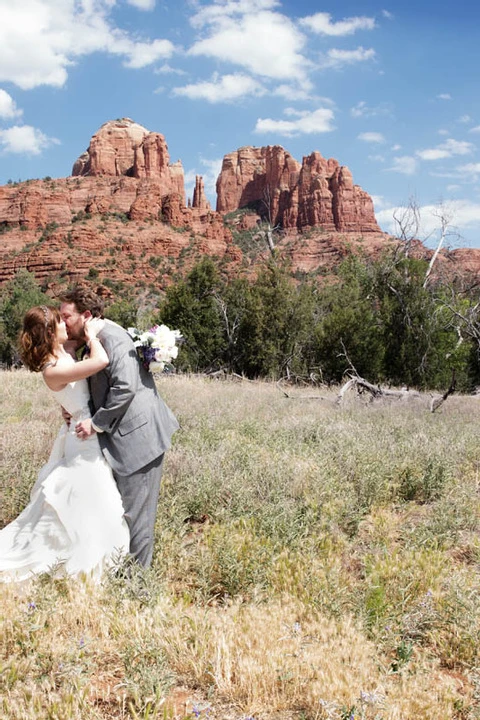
column 123, row 147
column 199, row 197
column 112, row 149
column 122, row 216
column 317, row 193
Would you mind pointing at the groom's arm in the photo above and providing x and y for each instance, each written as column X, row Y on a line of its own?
column 123, row 378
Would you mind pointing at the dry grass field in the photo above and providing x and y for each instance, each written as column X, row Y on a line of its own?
column 312, row 562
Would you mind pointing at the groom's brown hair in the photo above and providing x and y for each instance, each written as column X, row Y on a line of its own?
column 84, row 299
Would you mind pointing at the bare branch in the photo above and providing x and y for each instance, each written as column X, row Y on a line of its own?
column 436, row 402
column 444, row 224
column 407, row 220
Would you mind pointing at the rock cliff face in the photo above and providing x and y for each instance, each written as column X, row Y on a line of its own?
column 121, row 229
column 122, row 215
column 125, row 148
column 112, row 149
column 318, row 192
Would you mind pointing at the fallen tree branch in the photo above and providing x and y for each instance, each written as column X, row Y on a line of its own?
column 436, row 402
column 361, row 385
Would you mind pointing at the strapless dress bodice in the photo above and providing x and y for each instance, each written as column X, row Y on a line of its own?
column 74, row 397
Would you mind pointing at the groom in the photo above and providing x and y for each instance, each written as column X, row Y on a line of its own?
column 133, row 424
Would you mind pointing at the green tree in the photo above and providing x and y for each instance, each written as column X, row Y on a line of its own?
column 123, row 312
column 191, row 306
column 409, row 322
column 275, row 326
column 18, row 295
column 347, row 330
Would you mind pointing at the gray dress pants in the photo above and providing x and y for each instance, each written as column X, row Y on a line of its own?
column 140, row 497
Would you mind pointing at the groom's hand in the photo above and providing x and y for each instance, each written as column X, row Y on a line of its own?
column 84, row 429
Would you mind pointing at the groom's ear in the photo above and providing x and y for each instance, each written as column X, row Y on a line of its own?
column 87, row 314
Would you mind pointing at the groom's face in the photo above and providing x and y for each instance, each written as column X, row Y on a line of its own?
column 74, row 320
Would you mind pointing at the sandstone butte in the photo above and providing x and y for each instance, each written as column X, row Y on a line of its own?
column 122, row 215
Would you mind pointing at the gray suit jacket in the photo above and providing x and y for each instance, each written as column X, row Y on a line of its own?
column 137, row 425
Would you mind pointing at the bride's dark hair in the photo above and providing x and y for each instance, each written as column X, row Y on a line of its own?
column 37, row 339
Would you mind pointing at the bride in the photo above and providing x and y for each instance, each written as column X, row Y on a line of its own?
column 73, row 524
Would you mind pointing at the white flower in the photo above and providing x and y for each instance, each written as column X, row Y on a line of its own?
column 156, row 347
column 156, row 366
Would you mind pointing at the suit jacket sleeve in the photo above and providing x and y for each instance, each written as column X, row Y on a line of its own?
column 123, row 378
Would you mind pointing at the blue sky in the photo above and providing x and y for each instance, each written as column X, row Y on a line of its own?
column 391, row 90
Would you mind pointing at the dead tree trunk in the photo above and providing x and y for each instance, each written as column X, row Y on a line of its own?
column 362, row 385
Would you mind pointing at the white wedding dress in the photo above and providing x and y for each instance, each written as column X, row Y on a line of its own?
column 73, row 524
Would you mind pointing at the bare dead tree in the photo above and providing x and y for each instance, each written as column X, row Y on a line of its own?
column 408, row 226
column 407, row 222
column 376, row 392
column 445, row 219
column 361, row 385
column 231, row 325
column 467, row 321
column 271, row 227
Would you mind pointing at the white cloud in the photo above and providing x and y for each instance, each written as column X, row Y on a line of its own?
column 322, row 24
column 396, row 148
column 41, row 39
column 372, row 137
column 305, row 123
column 297, row 92
column 216, row 12
column 378, row 201
column 336, row 58
column 475, row 129
column 453, row 188
column 376, row 158
column 465, row 119
column 460, row 215
column 464, row 213
column 361, row 109
column 447, row 149
column 25, row 140
column 222, row 89
column 143, row 54
column 265, row 43
column 406, row 165
column 8, row 107
column 443, row 132
column 470, row 169
column 444, row 96
column 166, row 69
column 451, row 175
column 210, row 174
column 142, row 4
column 387, row 14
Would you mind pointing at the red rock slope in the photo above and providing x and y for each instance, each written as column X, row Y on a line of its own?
column 122, row 214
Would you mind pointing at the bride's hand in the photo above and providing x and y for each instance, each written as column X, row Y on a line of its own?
column 92, row 327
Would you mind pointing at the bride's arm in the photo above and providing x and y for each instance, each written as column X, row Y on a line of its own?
column 59, row 375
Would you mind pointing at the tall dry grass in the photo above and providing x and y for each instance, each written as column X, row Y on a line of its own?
column 311, row 562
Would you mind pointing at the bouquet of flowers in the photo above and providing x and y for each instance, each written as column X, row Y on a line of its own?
column 156, row 347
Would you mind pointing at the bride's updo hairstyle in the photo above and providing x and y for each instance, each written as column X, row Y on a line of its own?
column 37, row 339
